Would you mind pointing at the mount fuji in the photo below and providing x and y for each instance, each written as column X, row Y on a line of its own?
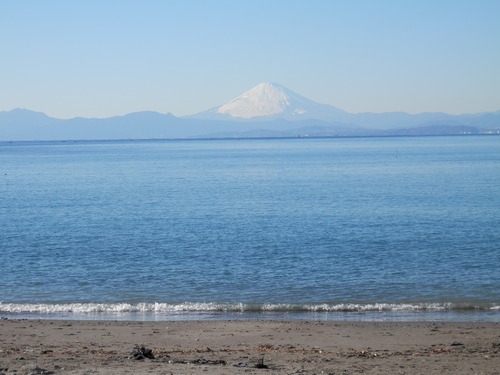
column 269, row 101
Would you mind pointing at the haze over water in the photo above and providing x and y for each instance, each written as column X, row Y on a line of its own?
column 337, row 228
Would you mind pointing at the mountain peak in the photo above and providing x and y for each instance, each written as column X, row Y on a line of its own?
column 270, row 100
column 265, row 99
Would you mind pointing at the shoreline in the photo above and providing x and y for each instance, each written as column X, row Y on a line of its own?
column 237, row 346
column 160, row 311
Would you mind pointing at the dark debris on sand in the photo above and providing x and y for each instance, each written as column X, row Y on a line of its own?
column 141, row 353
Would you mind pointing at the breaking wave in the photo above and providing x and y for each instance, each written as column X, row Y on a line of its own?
column 213, row 307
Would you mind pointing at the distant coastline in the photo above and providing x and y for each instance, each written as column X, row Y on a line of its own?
column 305, row 137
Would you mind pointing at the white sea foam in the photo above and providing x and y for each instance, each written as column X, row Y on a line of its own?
column 380, row 307
column 98, row 308
column 214, row 307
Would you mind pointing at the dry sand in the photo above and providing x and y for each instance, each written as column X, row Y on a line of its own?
column 236, row 347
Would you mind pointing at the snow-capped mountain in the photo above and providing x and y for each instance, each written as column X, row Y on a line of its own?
column 271, row 100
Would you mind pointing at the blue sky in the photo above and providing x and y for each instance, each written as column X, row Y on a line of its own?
column 99, row 58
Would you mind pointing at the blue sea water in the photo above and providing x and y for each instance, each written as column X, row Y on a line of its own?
column 399, row 228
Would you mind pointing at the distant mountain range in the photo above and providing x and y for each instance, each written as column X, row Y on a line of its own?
column 267, row 110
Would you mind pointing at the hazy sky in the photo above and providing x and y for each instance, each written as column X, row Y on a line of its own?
column 99, row 58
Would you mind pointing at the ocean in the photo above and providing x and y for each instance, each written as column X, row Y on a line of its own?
column 389, row 228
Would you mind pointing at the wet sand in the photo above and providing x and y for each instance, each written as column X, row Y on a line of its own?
column 241, row 347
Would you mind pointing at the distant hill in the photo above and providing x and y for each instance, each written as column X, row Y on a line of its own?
column 267, row 110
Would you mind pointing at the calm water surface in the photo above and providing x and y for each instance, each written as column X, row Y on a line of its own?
column 395, row 228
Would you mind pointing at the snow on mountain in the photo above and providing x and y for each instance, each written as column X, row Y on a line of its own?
column 265, row 99
column 271, row 100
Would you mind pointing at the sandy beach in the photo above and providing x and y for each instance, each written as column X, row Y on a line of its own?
column 247, row 347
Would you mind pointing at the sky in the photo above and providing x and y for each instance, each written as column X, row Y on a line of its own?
column 101, row 58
